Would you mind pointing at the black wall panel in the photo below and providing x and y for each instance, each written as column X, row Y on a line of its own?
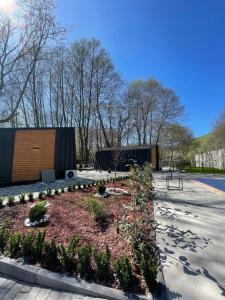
column 7, row 137
column 64, row 151
column 104, row 158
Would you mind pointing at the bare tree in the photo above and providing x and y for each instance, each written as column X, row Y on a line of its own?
column 21, row 47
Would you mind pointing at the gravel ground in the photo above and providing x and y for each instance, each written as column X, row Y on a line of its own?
column 83, row 177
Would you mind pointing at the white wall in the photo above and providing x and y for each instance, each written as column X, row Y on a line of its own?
column 214, row 159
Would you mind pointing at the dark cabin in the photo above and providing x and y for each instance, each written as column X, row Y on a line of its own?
column 25, row 152
column 105, row 159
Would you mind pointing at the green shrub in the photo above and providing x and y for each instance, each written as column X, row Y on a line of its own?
column 84, row 186
column 67, row 256
column 11, row 200
column 37, row 212
column 74, row 187
column 27, row 243
column 148, row 266
column 123, row 270
column 96, row 208
column 41, row 195
column 70, row 189
column 30, row 197
column 14, row 247
column 38, row 245
column 1, row 202
column 62, row 190
column 78, row 185
column 57, row 192
column 3, row 238
column 84, row 261
column 102, row 261
column 101, row 189
column 22, row 198
column 49, row 192
column 93, row 183
column 50, row 255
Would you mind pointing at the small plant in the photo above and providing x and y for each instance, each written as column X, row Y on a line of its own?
column 22, row 198
column 84, row 261
column 148, row 266
column 67, row 256
column 101, row 189
column 62, row 190
column 96, row 208
column 37, row 212
column 27, row 241
column 38, row 246
column 102, row 261
column 41, row 196
column 93, row 183
column 1, row 202
column 123, row 270
column 50, row 257
column 3, row 238
column 14, row 248
column 11, row 200
column 78, row 186
column 57, row 192
column 84, row 186
column 30, row 197
column 70, row 189
column 49, row 192
column 74, row 187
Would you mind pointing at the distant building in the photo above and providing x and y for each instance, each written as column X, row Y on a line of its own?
column 119, row 158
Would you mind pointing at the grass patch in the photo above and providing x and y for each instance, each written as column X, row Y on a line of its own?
column 205, row 170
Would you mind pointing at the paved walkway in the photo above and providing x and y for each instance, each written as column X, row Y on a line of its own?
column 191, row 237
column 11, row 289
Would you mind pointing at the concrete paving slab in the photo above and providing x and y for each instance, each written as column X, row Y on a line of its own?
column 191, row 238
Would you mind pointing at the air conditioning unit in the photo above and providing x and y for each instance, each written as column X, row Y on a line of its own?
column 71, row 174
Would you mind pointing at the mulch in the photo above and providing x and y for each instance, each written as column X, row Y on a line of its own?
column 68, row 217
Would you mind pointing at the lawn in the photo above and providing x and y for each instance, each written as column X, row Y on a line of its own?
column 97, row 223
column 206, row 170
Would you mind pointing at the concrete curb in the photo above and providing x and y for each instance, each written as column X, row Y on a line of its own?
column 161, row 292
column 43, row 277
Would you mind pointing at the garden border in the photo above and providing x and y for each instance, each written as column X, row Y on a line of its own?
column 43, row 277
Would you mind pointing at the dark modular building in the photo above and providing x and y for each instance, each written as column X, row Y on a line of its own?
column 120, row 157
column 25, row 152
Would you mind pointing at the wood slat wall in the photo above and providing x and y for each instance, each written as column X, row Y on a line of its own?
column 154, row 157
column 34, row 151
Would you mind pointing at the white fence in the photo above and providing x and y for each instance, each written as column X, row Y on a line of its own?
column 213, row 159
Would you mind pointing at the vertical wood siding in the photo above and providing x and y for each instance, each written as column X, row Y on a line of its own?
column 34, row 151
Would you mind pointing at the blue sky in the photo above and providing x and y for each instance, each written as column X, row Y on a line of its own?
column 179, row 42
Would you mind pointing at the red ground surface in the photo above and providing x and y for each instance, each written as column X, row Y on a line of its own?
column 69, row 217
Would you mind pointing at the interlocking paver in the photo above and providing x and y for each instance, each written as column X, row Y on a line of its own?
column 11, row 289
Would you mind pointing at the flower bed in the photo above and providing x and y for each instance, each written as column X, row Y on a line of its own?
column 74, row 214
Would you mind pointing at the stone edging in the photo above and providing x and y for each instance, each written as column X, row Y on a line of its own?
column 43, row 277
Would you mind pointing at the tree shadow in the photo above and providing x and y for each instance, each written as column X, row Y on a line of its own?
column 184, row 239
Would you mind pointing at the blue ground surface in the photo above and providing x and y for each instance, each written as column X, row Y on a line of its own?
column 216, row 183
